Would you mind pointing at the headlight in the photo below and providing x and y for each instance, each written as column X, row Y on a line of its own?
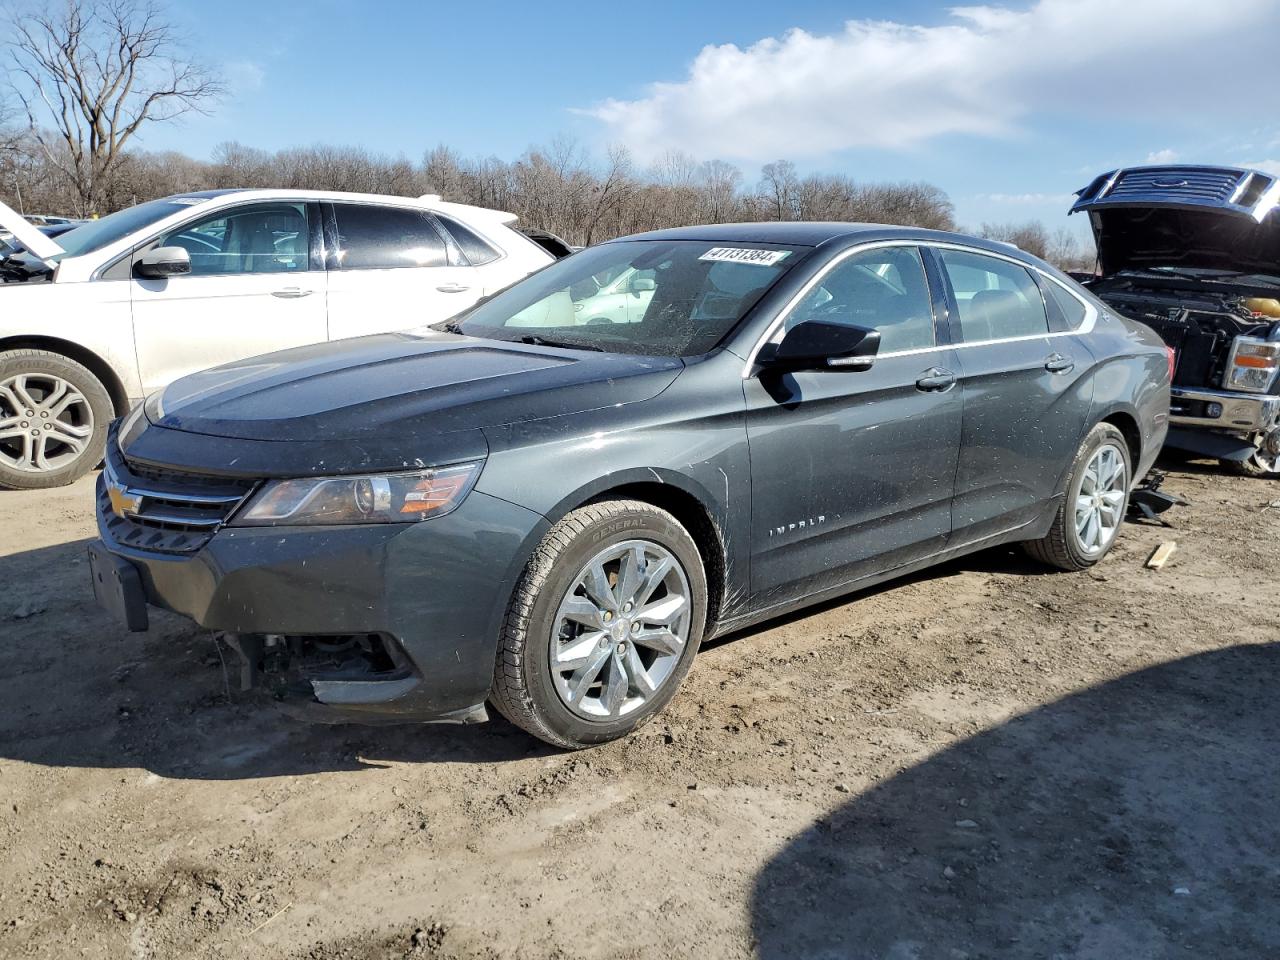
column 379, row 498
column 1252, row 365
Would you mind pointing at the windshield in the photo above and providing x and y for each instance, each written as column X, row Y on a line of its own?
column 97, row 234
column 675, row 298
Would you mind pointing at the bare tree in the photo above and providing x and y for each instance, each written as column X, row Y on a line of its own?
column 90, row 73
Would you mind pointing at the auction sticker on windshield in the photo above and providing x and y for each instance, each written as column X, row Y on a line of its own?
column 763, row 258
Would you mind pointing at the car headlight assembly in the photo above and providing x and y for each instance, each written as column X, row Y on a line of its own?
column 1252, row 365
column 374, row 498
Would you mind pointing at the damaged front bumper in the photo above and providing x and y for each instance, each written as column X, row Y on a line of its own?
column 374, row 624
column 1221, row 423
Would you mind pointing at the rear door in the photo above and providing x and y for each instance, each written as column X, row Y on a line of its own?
column 391, row 268
column 1027, row 395
column 253, row 288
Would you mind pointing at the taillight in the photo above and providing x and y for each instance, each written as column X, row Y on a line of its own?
column 1173, row 360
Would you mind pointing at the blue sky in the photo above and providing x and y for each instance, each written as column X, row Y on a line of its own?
column 1008, row 108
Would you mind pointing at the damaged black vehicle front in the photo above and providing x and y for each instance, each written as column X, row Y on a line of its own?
column 1194, row 253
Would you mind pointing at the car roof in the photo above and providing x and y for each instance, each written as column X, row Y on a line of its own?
column 816, row 233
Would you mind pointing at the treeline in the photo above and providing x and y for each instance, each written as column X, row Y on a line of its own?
column 559, row 187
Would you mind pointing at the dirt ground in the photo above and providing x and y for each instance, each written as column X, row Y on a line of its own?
column 984, row 761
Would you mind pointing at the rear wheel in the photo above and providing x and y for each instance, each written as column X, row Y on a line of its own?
column 603, row 626
column 53, row 419
column 1093, row 505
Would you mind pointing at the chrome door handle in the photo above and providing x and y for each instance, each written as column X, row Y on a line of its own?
column 1057, row 363
column 291, row 293
column 453, row 288
column 936, row 380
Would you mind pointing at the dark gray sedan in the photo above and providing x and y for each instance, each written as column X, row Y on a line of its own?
column 533, row 508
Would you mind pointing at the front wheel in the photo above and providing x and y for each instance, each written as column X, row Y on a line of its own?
column 1264, row 462
column 603, row 625
column 1093, row 506
column 53, row 419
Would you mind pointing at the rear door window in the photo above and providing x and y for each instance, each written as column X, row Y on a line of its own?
column 996, row 299
column 373, row 237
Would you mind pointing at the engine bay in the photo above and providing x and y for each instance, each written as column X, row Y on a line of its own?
column 1199, row 325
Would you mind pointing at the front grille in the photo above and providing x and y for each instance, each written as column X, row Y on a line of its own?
column 166, row 511
column 1202, row 186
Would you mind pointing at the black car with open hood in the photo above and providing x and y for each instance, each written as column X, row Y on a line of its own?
column 1194, row 252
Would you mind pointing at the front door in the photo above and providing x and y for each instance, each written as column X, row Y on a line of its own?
column 852, row 471
column 251, row 290
column 1027, row 395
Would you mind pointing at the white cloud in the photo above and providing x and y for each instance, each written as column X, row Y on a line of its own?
column 1027, row 199
column 883, row 84
column 1162, row 156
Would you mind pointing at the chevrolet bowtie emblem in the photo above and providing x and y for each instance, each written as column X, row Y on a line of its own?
column 123, row 503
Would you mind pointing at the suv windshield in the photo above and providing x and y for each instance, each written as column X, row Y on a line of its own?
column 96, row 234
column 676, row 298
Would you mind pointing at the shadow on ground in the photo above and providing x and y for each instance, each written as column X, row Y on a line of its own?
column 1134, row 820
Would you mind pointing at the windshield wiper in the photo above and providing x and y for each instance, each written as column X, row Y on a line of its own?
column 447, row 326
column 538, row 341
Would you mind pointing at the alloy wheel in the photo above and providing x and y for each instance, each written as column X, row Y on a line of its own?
column 46, row 422
column 1100, row 499
column 620, row 630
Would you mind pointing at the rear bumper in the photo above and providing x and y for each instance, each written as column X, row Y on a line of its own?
column 435, row 592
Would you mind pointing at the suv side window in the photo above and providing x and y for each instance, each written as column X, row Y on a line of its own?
column 996, row 299
column 884, row 289
column 256, row 238
column 477, row 250
column 372, row 237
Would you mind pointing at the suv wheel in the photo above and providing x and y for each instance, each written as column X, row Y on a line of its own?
column 1263, row 462
column 53, row 419
column 1095, row 500
column 603, row 626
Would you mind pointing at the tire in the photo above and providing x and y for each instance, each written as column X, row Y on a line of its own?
column 69, row 435
column 538, row 696
column 1065, row 546
column 1254, row 467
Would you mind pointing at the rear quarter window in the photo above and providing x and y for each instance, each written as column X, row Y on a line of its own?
column 1071, row 307
column 476, row 249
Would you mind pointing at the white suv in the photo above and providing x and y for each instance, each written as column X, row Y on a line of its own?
column 119, row 307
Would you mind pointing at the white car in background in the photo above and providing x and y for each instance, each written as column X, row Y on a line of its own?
column 623, row 299
column 117, row 308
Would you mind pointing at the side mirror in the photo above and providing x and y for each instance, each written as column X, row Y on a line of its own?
column 820, row 345
column 164, row 262
column 643, row 285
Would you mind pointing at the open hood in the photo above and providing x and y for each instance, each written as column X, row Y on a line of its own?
column 1209, row 218
column 27, row 236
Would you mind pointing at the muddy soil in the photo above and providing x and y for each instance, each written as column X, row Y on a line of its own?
column 985, row 761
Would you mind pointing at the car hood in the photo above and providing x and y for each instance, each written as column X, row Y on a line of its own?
column 402, row 387
column 1139, row 239
column 1208, row 218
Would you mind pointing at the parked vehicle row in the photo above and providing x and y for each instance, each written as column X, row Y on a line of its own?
column 114, row 309
column 547, row 503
